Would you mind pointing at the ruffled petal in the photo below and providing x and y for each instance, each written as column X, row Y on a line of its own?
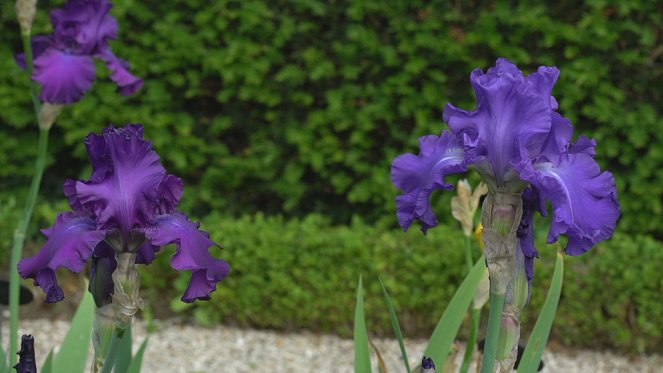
column 84, row 25
column 192, row 253
column 584, row 199
column 127, row 84
column 126, row 177
column 70, row 241
column 511, row 110
column 418, row 176
column 64, row 77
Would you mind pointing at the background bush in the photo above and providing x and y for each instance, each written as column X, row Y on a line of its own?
column 297, row 108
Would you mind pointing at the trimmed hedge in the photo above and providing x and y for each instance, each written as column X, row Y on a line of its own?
column 299, row 107
column 302, row 275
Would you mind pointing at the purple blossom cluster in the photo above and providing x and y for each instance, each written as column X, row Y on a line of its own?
column 518, row 142
column 63, row 60
column 128, row 205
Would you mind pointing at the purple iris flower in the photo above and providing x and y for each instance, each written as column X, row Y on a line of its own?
column 127, row 205
column 515, row 139
column 63, row 61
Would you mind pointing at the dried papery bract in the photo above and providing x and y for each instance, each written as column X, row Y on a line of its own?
column 25, row 12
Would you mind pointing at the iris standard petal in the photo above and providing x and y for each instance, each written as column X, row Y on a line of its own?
column 70, row 241
column 84, row 25
column 418, row 176
column 192, row 253
column 127, row 84
column 126, row 177
column 510, row 109
column 64, row 77
column 583, row 199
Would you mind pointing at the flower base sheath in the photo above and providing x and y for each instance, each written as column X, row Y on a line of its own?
column 126, row 210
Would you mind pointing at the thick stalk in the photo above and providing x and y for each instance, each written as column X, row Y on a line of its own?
column 19, row 239
column 112, row 351
column 500, row 217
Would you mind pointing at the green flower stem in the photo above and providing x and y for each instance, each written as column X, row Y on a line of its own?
column 20, row 232
column 471, row 340
column 19, row 238
column 27, row 49
column 493, row 331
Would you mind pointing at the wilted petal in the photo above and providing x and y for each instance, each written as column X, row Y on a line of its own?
column 126, row 176
column 511, row 110
column 64, row 77
column 418, row 176
column 101, row 271
column 192, row 253
column 584, row 199
column 71, row 241
column 127, row 84
column 525, row 232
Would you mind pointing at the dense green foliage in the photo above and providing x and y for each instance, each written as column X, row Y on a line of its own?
column 300, row 107
column 303, row 274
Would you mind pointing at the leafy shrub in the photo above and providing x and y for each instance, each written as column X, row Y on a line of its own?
column 302, row 274
column 300, row 107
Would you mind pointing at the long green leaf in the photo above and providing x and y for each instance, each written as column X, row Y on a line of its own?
column 124, row 352
column 73, row 353
column 48, row 363
column 362, row 356
column 395, row 325
column 4, row 368
column 445, row 332
column 529, row 363
column 137, row 361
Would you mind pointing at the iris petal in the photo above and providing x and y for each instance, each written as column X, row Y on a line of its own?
column 64, row 77
column 418, row 176
column 71, row 241
column 127, row 84
column 510, row 109
column 584, row 199
column 192, row 253
column 87, row 23
column 126, row 176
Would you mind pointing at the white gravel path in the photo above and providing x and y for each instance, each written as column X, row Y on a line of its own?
column 189, row 349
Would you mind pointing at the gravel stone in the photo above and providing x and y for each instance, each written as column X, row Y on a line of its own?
column 178, row 348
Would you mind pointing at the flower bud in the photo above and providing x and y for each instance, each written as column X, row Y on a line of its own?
column 464, row 205
column 26, row 360
column 427, row 365
column 48, row 113
column 25, row 12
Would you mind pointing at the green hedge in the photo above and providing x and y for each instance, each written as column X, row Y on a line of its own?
column 291, row 275
column 298, row 107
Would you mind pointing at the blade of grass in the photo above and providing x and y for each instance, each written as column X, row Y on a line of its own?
column 382, row 367
column 395, row 325
column 48, row 363
column 362, row 356
column 73, row 351
column 445, row 332
column 137, row 361
column 529, row 362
